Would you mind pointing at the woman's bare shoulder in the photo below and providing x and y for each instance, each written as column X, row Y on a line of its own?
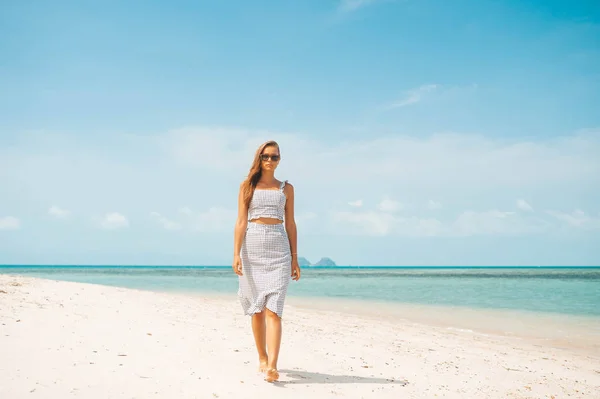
column 288, row 188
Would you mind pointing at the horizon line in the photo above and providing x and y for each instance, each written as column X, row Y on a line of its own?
column 14, row 265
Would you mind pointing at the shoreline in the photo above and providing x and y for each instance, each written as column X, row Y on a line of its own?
column 560, row 330
column 88, row 340
column 573, row 332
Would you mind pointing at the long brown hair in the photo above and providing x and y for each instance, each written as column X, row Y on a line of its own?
column 255, row 173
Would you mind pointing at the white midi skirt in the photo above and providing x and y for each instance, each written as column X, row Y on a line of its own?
column 266, row 268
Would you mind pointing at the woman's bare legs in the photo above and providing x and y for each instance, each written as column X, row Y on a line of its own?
column 266, row 326
column 260, row 338
column 273, row 343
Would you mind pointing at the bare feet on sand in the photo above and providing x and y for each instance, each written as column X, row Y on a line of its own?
column 263, row 365
column 272, row 375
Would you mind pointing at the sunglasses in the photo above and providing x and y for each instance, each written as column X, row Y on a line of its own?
column 267, row 157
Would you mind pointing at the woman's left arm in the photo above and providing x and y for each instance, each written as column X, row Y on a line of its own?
column 290, row 221
column 290, row 228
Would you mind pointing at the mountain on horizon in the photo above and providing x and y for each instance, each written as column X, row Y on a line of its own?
column 303, row 262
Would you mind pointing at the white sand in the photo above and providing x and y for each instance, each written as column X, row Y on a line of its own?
column 71, row 340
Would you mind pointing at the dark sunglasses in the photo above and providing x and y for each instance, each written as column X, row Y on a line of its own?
column 267, row 157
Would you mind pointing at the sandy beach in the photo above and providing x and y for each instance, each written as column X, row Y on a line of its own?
column 62, row 339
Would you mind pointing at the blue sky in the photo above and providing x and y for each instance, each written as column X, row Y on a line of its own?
column 416, row 132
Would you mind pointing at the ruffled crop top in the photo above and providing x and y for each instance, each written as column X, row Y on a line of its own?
column 267, row 203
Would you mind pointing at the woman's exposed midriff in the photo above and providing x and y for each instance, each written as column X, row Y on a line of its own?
column 266, row 221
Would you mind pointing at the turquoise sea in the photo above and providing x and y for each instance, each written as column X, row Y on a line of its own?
column 553, row 290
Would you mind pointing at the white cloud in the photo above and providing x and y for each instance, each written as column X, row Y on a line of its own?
column 431, row 164
column 165, row 222
column 204, row 147
column 368, row 223
column 433, row 205
column 577, row 218
column 483, row 167
column 420, row 227
column 9, row 223
column 524, row 206
column 57, row 212
column 468, row 223
column 197, row 167
column 413, row 96
column 463, row 169
column 493, row 222
column 186, row 211
column 376, row 223
column 113, row 220
column 389, row 205
column 214, row 219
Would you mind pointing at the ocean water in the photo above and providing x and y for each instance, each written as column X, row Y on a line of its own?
column 566, row 291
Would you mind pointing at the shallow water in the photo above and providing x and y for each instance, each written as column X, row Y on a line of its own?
column 568, row 291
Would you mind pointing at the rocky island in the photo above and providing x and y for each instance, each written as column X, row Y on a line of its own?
column 303, row 262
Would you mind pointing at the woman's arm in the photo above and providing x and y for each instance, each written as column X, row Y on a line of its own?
column 240, row 226
column 290, row 228
column 290, row 222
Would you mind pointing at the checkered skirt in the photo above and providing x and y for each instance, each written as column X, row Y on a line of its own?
column 266, row 267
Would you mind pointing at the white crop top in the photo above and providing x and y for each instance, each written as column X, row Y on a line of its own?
column 267, row 203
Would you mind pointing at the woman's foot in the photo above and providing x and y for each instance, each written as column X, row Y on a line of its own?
column 263, row 365
column 272, row 375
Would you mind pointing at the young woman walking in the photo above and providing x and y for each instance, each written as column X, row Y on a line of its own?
column 265, row 252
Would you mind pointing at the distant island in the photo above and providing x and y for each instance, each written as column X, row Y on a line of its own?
column 303, row 262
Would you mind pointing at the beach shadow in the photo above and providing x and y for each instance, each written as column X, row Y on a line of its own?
column 307, row 377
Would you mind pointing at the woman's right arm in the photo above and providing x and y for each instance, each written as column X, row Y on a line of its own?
column 239, row 232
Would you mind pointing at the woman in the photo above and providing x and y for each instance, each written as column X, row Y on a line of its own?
column 265, row 252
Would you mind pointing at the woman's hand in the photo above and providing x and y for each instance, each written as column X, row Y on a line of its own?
column 237, row 265
column 295, row 270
